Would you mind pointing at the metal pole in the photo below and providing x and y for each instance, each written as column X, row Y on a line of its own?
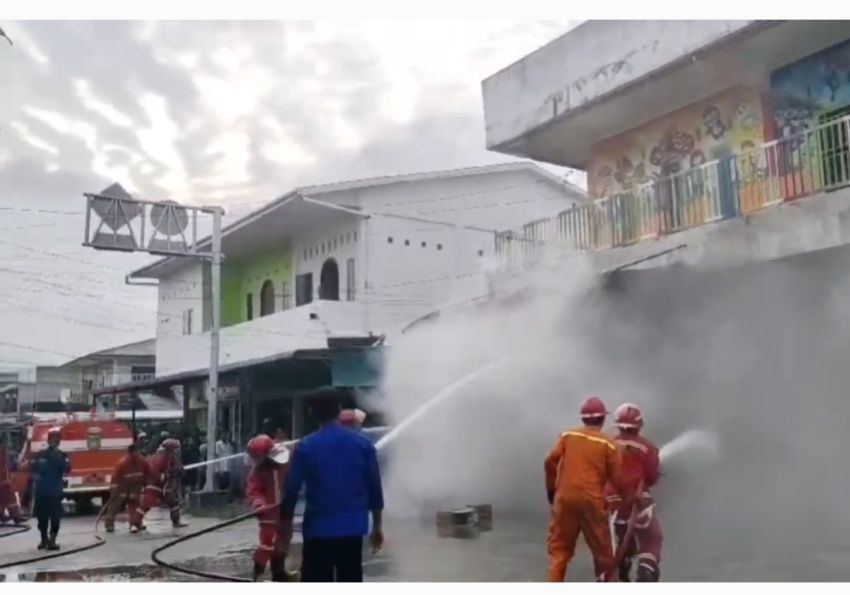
column 212, row 390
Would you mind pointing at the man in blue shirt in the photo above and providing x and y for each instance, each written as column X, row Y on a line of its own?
column 48, row 468
column 340, row 470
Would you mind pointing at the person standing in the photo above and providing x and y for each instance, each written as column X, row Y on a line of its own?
column 340, row 471
column 49, row 468
column 165, row 481
column 191, row 455
column 128, row 480
column 223, row 448
column 583, row 462
column 8, row 499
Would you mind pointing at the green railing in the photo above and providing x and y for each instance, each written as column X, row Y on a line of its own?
column 793, row 167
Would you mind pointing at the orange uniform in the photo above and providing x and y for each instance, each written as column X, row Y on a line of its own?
column 165, row 482
column 128, row 481
column 265, row 491
column 577, row 470
column 8, row 499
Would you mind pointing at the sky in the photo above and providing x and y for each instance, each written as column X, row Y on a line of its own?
column 223, row 112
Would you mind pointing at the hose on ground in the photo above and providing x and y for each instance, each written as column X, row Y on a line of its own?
column 14, row 530
column 199, row 573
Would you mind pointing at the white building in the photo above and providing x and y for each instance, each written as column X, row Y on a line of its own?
column 318, row 274
column 351, row 258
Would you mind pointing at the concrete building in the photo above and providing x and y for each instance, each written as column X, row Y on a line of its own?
column 729, row 137
column 315, row 281
column 74, row 381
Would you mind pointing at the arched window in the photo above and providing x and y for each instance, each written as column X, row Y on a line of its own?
column 329, row 281
column 267, row 298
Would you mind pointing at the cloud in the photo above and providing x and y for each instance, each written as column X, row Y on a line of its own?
column 227, row 112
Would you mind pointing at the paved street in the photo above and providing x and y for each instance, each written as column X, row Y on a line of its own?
column 514, row 551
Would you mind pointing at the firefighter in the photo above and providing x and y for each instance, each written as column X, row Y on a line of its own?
column 9, row 507
column 265, row 486
column 640, row 471
column 578, row 469
column 352, row 418
column 165, row 481
column 128, row 480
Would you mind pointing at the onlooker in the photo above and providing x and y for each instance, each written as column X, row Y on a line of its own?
column 191, row 454
column 343, row 481
column 202, row 475
column 224, row 447
column 48, row 468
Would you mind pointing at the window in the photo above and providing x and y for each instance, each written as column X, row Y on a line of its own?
column 424, row 244
column 334, row 243
column 389, row 240
column 481, row 253
column 303, row 289
column 249, row 306
column 187, row 321
column 439, row 246
column 407, row 242
column 355, row 236
column 267, row 298
column 140, row 373
column 352, row 281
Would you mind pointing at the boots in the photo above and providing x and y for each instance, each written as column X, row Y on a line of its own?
column 43, row 543
column 175, row 520
column 259, row 569
column 51, row 544
column 647, row 573
column 110, row 528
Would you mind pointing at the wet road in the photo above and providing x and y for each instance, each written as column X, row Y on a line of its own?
column 514, row 551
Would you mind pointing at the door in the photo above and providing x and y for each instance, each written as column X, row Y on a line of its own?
column 303, row 289
column 833, row 140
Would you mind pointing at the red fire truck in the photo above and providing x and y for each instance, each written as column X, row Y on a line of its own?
column 94, row 445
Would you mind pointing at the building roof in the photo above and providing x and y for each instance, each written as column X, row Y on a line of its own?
column 146, row 348
column 300, row 198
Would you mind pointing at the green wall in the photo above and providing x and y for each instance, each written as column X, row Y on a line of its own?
column 245, row 275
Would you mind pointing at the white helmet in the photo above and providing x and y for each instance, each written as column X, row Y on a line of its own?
column 628, row 416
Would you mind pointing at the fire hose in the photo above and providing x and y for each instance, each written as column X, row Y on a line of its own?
column 621, row 550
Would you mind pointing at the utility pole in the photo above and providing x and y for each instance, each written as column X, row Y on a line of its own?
column 122, row 227
column 212, row 389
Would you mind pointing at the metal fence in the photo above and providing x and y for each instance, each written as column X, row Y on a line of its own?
column 786, row 169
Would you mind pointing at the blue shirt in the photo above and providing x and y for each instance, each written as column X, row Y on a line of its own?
column 49, row 467
column 340, row 470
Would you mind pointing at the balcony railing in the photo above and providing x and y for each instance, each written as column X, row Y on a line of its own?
column 814, row 161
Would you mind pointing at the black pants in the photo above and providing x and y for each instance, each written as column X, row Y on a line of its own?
column 48, row 511
column 337, row 560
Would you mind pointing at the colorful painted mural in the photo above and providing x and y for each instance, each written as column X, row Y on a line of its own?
column 807, row 90
column 729, row 122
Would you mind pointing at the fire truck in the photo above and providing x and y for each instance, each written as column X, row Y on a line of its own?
column 94, row 445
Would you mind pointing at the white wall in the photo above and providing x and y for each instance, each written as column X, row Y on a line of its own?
column 339, row 242
column 178, row 292
column 590, row 61
column 425, row 266
column 497, row 200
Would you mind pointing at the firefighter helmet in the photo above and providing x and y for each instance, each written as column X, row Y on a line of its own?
column 628, row 416
column 55, row 432
column 593, row 408
column 259, row 447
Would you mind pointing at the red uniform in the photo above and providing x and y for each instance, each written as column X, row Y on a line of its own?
column 640, row 468
column 128, row 480
column 265, row 491
column 164, row 483
column 8, row 499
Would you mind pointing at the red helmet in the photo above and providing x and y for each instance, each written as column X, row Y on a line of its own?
column 259, row 447
column 628, row 416
column 54, row 433
column 593, row 408
column 171, row 444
